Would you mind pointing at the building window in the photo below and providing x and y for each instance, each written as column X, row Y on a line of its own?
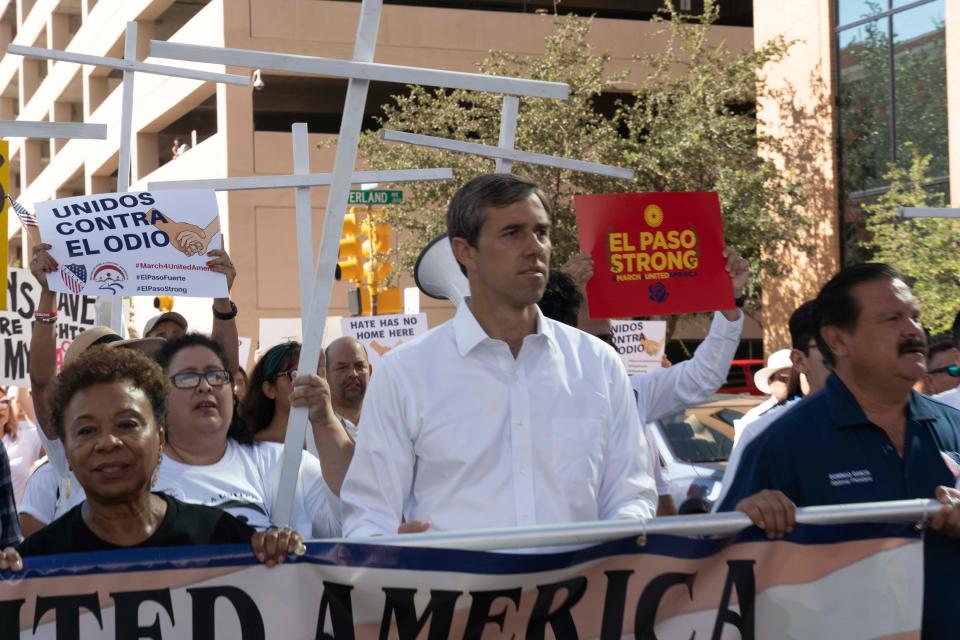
column 891, row 90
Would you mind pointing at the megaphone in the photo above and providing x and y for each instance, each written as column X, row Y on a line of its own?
column 437, row 273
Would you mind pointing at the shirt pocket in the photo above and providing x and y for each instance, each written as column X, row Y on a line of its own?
column 578, row 445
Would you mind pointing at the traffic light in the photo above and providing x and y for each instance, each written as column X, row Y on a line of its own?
column 350, row 248
column 378, row 240
column 376, row 274
column 390, row 300
column 365, row 248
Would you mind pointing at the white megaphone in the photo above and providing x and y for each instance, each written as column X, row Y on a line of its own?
column 437, row 273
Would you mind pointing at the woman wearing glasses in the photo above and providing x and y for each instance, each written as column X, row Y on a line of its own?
column 211, row 455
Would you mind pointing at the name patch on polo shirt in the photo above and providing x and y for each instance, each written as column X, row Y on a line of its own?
column 846, row 478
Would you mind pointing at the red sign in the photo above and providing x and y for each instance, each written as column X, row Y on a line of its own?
column 654, row 253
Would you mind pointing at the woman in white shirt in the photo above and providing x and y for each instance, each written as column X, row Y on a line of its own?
column 21, row 442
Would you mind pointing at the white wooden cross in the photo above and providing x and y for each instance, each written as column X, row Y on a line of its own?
column 929, row 212
column 359, row 72
column 130, row 66
column 33, row 129
column 302, row 180
column 504, row 152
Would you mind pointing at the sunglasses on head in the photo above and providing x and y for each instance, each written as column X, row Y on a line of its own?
column 951, row 369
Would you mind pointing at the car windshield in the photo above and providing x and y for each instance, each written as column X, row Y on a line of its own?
column 691, row 441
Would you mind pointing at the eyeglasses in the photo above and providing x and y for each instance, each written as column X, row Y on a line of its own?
column 951, row 369
column 780, row 377
column 290, row 374
column 191, row 380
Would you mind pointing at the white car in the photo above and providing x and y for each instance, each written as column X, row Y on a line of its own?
column 694, row 446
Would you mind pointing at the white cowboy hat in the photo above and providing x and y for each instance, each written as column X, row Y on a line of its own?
column 777, row 361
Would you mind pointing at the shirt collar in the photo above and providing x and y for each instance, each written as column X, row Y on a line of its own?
column 846, row 411
column 469, row 333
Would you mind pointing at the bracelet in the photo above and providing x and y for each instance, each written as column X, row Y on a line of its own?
column 45, row 314
column 229, row 315
column 42, row 320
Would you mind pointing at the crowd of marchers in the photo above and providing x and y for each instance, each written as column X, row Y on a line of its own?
column 515, row 412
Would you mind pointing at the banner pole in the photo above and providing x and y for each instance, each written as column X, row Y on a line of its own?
column 582, row 533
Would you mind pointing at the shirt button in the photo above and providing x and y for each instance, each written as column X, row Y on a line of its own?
column 524, row 516
column 523, row 471
column 516, row 377
column 519, row 423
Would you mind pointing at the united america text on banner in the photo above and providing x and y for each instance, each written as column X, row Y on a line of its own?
column 137, row 243
column 860, row 581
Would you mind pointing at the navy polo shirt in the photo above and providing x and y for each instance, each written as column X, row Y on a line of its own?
column 825, row 451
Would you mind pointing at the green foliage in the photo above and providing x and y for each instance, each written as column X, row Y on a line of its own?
column 926, row 250
column 689, row 126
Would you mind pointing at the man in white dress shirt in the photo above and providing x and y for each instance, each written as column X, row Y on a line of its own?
column 500, row 417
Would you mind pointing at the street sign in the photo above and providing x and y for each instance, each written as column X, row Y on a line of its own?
column 376, row 196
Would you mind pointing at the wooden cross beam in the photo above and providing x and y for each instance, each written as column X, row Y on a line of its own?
column 504, row 152
column 32, row 129
column 130, row 66
column 302, row 180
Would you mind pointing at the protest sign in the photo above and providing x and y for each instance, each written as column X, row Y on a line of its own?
column 380, row 334
column 641, row 343
column 75, row 313
column 863, row 581
column 135, row 244
column 654, row 253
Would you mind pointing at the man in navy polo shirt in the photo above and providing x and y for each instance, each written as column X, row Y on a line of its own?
column 867, row 436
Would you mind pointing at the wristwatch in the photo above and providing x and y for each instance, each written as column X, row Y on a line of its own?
column 229, row 315
column 739, row 302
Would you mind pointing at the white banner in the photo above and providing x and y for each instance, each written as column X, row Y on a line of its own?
column 134, row 244
column 380, row 334
column 641, row 343
column 75, row 314
column 860, row 581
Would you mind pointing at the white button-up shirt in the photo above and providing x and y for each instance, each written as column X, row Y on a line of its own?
column 458, row 432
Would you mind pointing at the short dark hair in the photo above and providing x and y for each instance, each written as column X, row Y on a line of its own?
column 955, row 330
column 465, row 213
column 836, row 306
column 939, row 344
column 803, row 327
column 257, row 408
column 105, row 365
column 561, row 299
column 239, row 430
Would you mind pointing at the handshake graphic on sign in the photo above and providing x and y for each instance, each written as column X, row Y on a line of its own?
column 185, row 237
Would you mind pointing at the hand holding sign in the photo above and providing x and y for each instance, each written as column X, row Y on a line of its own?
column 580, row 268
column 739, row 270
column 42, row 263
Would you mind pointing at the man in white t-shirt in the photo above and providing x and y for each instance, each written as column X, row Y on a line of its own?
column 500, row 417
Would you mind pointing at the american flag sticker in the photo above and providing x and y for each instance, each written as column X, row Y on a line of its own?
column 74, row 276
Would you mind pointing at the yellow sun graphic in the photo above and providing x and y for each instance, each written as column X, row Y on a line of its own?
column 653, row 215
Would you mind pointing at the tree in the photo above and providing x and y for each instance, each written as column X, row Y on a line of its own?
column 690, row 125
column 926, row 250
